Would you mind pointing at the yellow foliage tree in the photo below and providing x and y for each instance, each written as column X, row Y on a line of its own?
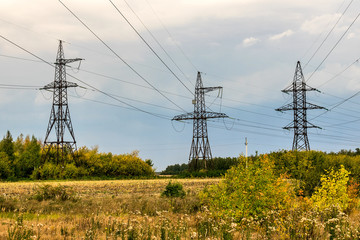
column 333, row 190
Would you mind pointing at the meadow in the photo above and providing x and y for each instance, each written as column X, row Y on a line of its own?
column 138, row 209
column 119, row 209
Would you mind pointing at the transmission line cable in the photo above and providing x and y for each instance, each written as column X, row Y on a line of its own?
column 343, row 123
column 19, row 86
column 170, row 35
column 158, row 43
column 338, row 104
column 147, row 44
column 117, row 55
column 131, row 83
column 344, row 70
column 175, row 94
column 329, row 33
column 116, row 105
column 342, row 36
column 19, row 58
column 98, row 90
column 319, row 36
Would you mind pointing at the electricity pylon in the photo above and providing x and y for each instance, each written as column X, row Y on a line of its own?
column 200, row 147
column 60, row 120
column 299, row 106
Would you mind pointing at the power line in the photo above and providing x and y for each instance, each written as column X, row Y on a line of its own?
column 127, row 64
column 170, row 35
column 344, row 70
column 343, row 123
column 116, row 105
column 131, row 83
column 328, row 33
column 338, row 104
column 342, row 36
column 98, row 90
column 314, row 42
column 155, row 39
column 147, row 44
column 19, row 58
column 182, row 96
column 20, row 86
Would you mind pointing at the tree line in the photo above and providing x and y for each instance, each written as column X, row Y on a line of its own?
column 26, row 158
column 306, row 167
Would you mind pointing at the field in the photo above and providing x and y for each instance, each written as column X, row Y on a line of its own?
column 119, row 209
column 136, row 209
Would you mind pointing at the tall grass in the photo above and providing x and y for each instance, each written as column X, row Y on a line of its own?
column 135, row 209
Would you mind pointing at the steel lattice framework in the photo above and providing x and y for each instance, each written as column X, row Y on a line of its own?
column 300, row 106
column 200, row 147
column 60, row 120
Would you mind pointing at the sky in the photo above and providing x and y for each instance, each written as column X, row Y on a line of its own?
column 249, row 47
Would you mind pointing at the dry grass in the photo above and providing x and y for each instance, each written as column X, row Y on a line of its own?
column 134, row 209
column 115, row 209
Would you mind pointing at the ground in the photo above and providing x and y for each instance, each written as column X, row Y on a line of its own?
column 113, row 209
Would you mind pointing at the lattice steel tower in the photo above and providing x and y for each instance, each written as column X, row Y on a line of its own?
column 60, row 120
column 299, row 106
column 200, row 147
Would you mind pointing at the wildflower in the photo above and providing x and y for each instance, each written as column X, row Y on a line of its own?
column 193, row 235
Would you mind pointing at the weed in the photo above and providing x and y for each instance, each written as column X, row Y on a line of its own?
column 48, row 192
column 174, row 190
column 18, row 231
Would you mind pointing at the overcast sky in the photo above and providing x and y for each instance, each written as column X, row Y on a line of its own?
column 249, row 47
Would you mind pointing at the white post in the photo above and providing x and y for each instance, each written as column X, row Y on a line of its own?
column 246, row 151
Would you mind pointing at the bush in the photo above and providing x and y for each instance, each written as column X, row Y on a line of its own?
column 48, row 192
column 251, row 191
column 333, row 190
column 173, row 190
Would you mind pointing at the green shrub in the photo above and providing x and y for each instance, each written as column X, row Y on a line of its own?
column 173, row 190
column 18, row 231
column 48, row 192
column 251, row 191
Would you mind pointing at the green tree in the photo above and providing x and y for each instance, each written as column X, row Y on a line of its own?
column 5, row 170
column 28, row 158
column 7, row 146
column 249, row 191
column 175, row 169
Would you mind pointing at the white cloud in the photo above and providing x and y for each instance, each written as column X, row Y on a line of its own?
column 287, row 33
column 317, row 24
column 248, row 42
column 351, row 35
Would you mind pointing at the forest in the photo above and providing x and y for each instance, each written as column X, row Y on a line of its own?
column 24, row 158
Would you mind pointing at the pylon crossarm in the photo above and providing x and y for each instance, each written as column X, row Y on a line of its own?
column 70, row 84
column 48, row 86
column 203, row 115
column 287, row 107
column 53, row 85
column 289, row 126
column 288, row 89
column 185, row 116
column 209, row 89
column 310, row 125
column 62, row 61
column 215, row 115
column 314, row 106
